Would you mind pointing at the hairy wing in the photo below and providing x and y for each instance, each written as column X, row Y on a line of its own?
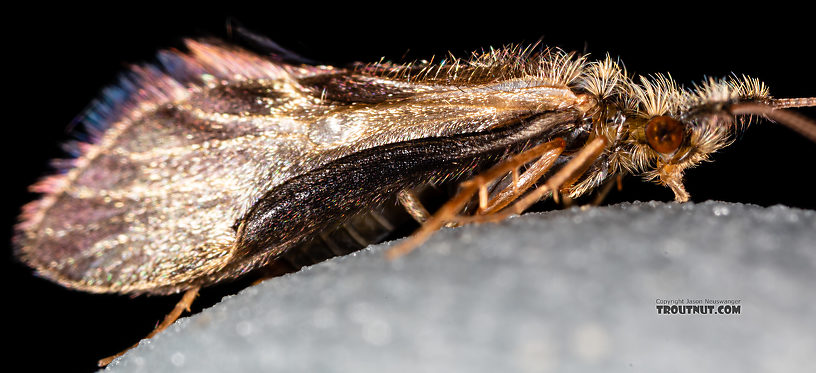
column 190, row 146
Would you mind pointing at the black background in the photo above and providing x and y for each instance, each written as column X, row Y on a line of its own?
column 59, row 59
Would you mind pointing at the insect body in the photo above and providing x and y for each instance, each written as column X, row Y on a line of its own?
column 219, row 161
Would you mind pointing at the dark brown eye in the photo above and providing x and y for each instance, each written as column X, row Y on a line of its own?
column 664, row 134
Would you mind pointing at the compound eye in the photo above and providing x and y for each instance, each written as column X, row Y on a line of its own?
column 664, row 134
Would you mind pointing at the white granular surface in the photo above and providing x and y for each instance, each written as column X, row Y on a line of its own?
column 565, row 291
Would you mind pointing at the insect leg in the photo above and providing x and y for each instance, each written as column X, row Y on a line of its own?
column 184, row 304
column 565, row 176
column 449, row 211
column 523, row 182
column 599, row 198
column 409, row 200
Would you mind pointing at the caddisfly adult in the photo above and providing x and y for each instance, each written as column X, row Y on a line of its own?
column 217, row 162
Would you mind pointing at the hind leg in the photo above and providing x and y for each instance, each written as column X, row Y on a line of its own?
column 449, row 212
column 183, row 304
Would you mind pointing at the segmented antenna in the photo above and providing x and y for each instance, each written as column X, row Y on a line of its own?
column 797, row 122
column 787, row 103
